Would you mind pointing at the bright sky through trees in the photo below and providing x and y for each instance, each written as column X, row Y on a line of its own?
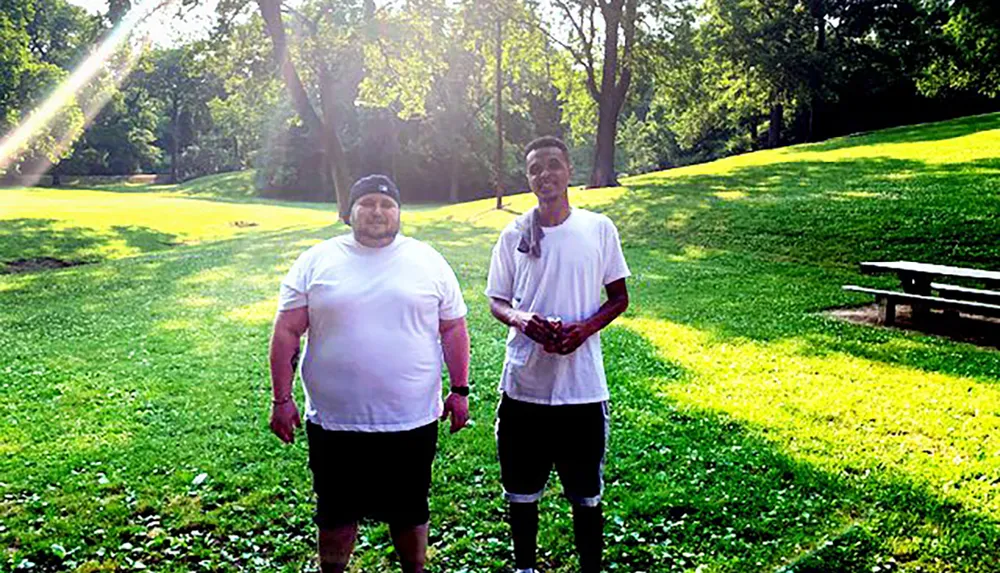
column 167, row 28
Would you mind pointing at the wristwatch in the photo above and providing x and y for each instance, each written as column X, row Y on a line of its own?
column 460, row 390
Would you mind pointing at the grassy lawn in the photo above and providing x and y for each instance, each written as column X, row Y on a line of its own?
column 750, row 432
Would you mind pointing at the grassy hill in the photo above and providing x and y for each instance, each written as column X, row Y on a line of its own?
column 750, row 431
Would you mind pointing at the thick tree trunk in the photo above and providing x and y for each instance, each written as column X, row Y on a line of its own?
column 775, row 127
column 603, row 172
column 614, row 86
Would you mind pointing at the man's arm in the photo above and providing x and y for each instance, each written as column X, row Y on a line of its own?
column 289, row 326
column 455, row 343
column 574, row 334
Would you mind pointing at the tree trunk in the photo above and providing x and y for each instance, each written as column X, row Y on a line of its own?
column 175, row 140
column 774, row 129
column 816, row 76
column 498, row 97
column 453, row 179
column 614, row 86
column 337, row 159
column 324, row 131
column 603, row 172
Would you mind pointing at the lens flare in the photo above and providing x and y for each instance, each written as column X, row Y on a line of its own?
column 42, row 117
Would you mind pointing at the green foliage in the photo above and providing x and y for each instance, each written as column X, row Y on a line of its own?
column 179, row 79
column 412, row 85
column 251, row 91
column 121, row 139
column 35, row 38
column 970, row 58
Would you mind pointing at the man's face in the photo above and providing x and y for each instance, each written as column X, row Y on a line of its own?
column 549, row 172
column 375, row 216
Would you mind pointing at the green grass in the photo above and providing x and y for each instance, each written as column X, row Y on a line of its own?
column 750, row 432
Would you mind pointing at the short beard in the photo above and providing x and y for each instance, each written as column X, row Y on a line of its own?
column 359, row 234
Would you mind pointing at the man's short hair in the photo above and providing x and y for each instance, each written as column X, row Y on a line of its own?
column 546, row 141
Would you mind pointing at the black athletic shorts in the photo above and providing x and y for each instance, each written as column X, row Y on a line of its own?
column 383, row 476
column 531, row 438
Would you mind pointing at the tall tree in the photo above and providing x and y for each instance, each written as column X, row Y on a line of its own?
column 27, row 77
column 251, row 90
column 770, row 43
column 605, row 53
column 337, row 60
column 177, row 78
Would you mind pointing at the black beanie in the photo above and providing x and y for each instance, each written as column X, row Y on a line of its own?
column 372, row 184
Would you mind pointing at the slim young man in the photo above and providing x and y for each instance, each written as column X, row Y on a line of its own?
column 547, row 274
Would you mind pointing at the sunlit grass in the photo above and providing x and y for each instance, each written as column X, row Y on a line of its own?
column 96, row 225
column 750, row 432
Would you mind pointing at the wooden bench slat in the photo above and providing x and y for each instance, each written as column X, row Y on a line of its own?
column 932, row 300
column 965, row 293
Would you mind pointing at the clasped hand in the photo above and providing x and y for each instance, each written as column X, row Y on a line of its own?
column 554, row 336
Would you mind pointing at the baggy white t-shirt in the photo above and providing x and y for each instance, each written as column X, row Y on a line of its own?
column 373, row 356
column 579, row 257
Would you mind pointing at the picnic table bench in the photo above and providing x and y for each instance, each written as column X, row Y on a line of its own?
column 922, row 291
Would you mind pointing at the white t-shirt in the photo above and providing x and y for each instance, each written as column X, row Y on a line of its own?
column 373, row 356
column 579, row 257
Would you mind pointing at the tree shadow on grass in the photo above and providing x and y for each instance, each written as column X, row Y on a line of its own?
column 689, row 487
column 31, row 238
column 149, row 367
column 754, row 253
column 108, row 368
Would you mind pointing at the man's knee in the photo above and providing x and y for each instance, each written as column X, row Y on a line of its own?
column 335, row 546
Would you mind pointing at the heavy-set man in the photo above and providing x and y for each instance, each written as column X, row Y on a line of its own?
column 380, row 309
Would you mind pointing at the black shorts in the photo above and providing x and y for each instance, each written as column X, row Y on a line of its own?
column 384, row 476
column 531, row 438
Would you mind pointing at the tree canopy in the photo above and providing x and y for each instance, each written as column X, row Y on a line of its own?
column 443, row 95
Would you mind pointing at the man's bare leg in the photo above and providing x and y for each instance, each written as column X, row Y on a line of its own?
column 411, row 546
column 335, row 547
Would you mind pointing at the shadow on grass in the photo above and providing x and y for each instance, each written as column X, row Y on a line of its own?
column 35, row 237
column 688, row 488
column 136, row 372
column 753, row 253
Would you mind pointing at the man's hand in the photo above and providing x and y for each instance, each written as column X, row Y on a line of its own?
column 458, row 407
column 539, row 329
column 284, row 420
column 573, row 335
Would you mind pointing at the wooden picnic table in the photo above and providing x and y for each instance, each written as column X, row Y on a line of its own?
column 918, row 284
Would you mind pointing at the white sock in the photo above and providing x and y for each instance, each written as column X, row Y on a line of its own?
column 525, row 571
